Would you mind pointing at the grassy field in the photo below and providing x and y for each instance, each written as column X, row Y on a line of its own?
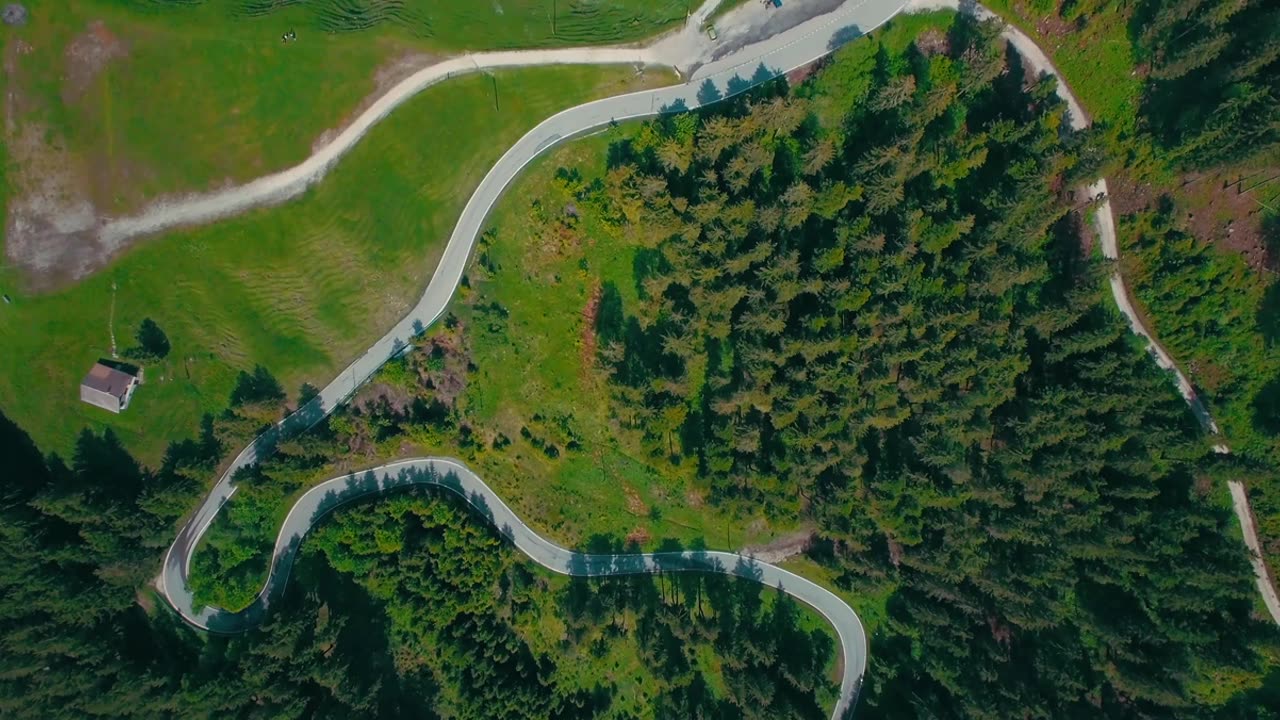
column 300, row 289
column 535, row 369
column 138, row 104
column 472, row 25
column 150, row 97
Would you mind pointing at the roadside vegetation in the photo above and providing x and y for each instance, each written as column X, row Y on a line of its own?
column 1089, row 44
column 300, row 289
column 468, row 25
column 861, row 304
column 408, row 607
column 119, row 103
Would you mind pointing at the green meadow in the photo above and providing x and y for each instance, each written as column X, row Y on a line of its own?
column 153, row 97
column 301, row 288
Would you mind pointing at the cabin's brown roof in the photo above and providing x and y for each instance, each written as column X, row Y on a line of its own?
column 108, row 380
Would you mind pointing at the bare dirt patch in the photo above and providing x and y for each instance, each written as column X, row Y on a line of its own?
column 87, row 55
column 1049, row 25
column 802, row 73
column 1128, row 197
column 933, row 42
column 695, row 498
column 378, row 395
column 49, row 232
column 49, row 229
column 445, row 364
column 635, row 505
column 588, row 339
column 1085, row 233
column 782, row 547
column 1227, row 206
column 895, row 551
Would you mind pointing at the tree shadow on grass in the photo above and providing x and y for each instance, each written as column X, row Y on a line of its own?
column 620, row 153
column 648, row 262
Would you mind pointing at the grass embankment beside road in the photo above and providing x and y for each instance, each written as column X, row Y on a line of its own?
column 143, row 99
column 472, row 25
column 300, row 289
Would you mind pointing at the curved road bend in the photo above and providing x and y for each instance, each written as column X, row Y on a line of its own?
column 729, row 75
column 453, row 475
column 791, row 49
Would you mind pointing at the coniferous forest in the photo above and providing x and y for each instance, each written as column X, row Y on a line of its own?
column 860, row 300
column 1193, row 164
column 408, row 607
column 887, row 318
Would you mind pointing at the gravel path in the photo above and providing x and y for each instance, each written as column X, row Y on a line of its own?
column 688, row 48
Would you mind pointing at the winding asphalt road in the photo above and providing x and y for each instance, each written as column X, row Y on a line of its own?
column 454, row 476
column 714, row 75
